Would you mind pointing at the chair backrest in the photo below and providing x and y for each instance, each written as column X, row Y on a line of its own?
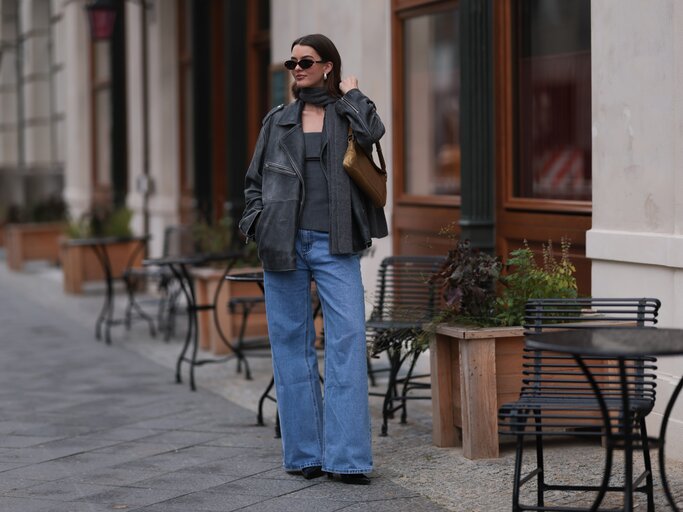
column 581, row 313
column 557, row 375
column 179, row 240
column 403, row 292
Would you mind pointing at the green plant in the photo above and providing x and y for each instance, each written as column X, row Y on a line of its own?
column 526, row 280
column 221, row 238
column 101, row 221
column 475, row 290
column 50, row 209
column 213, row 238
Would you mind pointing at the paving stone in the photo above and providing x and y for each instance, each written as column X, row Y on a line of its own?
column 290, row 504
column 204, row 501
column 131, row 496
column 263, row 487
column 59, row 491
column 189, row 481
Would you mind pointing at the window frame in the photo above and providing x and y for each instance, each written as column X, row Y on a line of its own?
column 403, row 10
column 506, row 24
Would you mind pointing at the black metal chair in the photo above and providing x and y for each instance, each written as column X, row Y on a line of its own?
column 178, row 240
column 404, row 302
column 557, row 399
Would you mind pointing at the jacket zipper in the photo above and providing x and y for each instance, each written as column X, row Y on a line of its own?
column 280, row 168
column 357, row 112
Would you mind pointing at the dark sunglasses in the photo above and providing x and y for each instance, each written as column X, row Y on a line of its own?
column 303, row 63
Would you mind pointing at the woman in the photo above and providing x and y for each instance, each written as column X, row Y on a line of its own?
column 310, row 222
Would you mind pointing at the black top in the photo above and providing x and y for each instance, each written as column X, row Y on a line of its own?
column 611, row 342
column 316, row 213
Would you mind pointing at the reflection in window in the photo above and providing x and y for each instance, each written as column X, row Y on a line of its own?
column 103, row 134
column 102, row 113
column 431, row 104
column 186, row 96
column 554, row 94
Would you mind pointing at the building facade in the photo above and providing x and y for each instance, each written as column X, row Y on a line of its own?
column 508, row 120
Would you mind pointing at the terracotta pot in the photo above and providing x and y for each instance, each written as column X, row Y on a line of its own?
column 32, row 241
column 206, row 282
column 80, row 264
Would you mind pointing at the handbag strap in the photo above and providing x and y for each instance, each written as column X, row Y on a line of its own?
column 382, row 164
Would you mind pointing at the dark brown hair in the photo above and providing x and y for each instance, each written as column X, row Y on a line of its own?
column 329, row 53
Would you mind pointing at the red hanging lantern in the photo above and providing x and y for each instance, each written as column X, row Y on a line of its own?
column 102, row 18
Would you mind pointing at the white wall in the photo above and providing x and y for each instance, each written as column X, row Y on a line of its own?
column 636, row 242
column 360, row 30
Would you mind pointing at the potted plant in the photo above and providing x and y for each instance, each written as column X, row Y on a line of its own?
column 32, row 232
column 216, row 239
column 79, row 262
column 477, row 343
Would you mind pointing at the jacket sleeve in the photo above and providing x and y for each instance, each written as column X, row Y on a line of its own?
column 362, row 114
column 252, row 185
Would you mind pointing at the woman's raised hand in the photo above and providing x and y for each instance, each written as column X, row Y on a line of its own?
column 348, row 83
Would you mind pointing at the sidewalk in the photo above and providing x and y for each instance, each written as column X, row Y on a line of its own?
column 90, row 427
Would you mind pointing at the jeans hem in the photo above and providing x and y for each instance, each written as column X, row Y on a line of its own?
column 299, row 468
column 347, row 471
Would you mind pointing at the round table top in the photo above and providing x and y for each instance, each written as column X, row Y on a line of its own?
column 611, row 342
column 246, row 276
column 106, row 240
column 196, row 259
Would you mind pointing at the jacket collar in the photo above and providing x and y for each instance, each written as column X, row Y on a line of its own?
column 291, row 114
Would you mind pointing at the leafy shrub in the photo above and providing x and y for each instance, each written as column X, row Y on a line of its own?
column 527, row 280
column 475, row 290
column 222, row 238
column 468, row 280
column 50, row 209
column 102, row 221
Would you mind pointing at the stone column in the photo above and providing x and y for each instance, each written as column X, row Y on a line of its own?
column 476, row 123
column 78, row 136
column 159, row 161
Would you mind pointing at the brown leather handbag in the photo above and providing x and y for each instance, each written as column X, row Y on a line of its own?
column 372, row 180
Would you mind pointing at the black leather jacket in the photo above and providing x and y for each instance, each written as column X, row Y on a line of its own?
column 274, row 184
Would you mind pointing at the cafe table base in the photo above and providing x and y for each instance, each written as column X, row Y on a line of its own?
column 621, row 345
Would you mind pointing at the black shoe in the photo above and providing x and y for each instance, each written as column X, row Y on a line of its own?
column 312, row 472
column 354, row 479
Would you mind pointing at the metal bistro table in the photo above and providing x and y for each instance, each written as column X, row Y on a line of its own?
column 99, row 245
column 257, row 277
column 620, row 344
column 180, row 268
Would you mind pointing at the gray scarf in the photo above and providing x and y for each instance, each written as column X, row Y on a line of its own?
column 335, row 138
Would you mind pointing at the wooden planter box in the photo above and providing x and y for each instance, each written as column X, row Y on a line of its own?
column 80, row 264
column 206, row 281
column 474, row 371
column 33, row 241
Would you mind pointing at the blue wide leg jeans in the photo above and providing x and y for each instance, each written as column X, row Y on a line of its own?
column 333, row 432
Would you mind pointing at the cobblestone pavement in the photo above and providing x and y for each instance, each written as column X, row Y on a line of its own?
column 90, row 427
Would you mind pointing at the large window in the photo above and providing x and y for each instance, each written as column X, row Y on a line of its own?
column 553, row 90
column 186, row 93
column 101, row 92
column 431, row 101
